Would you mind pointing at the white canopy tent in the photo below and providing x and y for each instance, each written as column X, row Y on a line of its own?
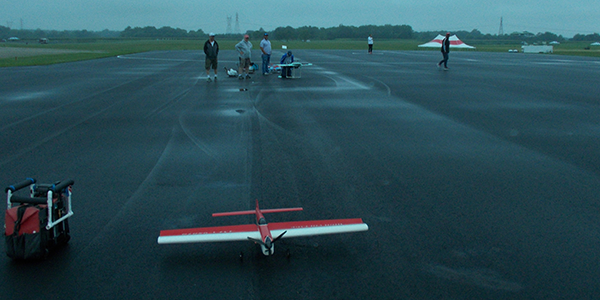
column 455, row 42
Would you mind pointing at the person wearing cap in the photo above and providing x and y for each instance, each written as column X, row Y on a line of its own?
column 244, row 49
column 265, row 47
column 287, row 58
column 445, row 50
column 211, row 49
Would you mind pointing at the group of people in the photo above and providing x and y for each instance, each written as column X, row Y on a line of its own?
column 244, row 49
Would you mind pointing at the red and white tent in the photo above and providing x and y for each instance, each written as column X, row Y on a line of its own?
column 454, row 43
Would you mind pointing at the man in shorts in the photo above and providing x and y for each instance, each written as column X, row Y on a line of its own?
column 244, row 48
column 211, row 49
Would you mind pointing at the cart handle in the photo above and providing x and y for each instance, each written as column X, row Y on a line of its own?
column 34, row 200
column 61, row 186
column 15, row 187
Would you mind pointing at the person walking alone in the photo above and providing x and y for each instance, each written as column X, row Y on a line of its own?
column 370, row 43
column 244, row 49
column 265, row 47
column 211, row 49
column 445, row 51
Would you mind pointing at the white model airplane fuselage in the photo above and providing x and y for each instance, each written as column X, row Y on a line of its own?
column 261, row 233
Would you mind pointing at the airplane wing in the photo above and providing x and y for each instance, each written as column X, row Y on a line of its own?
column 317, row 227
column 209, row 234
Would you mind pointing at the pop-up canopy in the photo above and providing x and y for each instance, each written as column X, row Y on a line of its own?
column 455, row 42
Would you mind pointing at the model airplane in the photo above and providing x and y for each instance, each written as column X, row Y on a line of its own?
column 261, row 232
column 277, row 67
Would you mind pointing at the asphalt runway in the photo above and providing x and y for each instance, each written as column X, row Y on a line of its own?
column 481, row 182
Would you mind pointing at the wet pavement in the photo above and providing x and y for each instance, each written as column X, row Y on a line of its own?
column 480, row 182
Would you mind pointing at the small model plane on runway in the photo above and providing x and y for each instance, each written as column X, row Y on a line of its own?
column 261, row 232
column 294, row 68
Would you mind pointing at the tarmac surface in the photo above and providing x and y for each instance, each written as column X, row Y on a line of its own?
column 481, row 182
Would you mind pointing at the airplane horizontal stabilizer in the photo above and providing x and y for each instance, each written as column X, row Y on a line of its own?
column 251, row 212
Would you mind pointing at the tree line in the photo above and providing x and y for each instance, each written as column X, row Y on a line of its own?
column 340, row 32
column 289, row 33
column 27, row 34
column 163, row 32
column 594, row 37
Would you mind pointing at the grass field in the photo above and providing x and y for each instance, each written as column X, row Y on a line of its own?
column 93, row 49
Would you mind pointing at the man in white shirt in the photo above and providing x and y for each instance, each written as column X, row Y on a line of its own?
column 265, row 47
column 244, row 48
column 370, row 43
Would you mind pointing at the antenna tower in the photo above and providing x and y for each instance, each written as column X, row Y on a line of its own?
column 237, row 24
column 228, row 24
column 501, row 30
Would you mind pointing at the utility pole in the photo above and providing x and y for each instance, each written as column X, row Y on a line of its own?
column 237, row 24
column 228, row 25
column 501, row 30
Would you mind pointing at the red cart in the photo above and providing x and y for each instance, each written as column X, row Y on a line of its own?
column 37, row 223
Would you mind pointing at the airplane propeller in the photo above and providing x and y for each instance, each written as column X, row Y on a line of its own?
column 268, row 243
column 275, row 240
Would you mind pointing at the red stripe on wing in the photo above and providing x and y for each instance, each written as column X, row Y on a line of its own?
column 209, row 230
column 313, row 223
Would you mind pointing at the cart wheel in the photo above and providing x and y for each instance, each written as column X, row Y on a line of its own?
column 64, row 235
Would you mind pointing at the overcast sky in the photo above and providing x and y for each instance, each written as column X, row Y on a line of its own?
column 561, row 17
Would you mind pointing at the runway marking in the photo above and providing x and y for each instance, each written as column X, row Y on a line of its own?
column 49, row 137
column 199, row 143
column 344, row 84
column 151, row 58
column 27, row 96
column 169, row 103
column 361, row 53
column 347, row 83
column 58, row 107
column 549, row 63
column 168, row 59
column 482, row 277
column 559, row 62
column 389, row 90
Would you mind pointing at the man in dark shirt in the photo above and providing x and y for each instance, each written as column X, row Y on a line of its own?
column 211, row 49
column 445, row 50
